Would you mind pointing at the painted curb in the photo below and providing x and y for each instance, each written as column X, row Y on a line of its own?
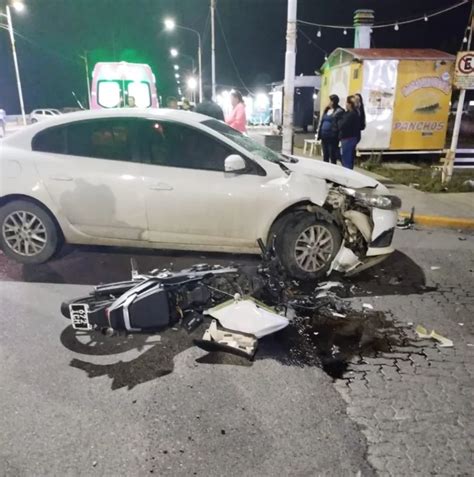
column 443, row 222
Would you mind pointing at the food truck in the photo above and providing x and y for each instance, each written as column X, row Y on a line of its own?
column 406, row 95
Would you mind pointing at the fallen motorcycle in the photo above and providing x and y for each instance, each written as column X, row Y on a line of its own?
column 162, row 299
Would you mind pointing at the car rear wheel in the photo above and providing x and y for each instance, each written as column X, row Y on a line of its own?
column 27, row 232
column 307, row 245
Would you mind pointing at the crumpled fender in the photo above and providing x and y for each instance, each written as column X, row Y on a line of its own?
column 302, row 185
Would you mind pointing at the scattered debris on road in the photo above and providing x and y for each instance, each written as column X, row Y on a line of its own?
column 423, row 333
column 237, row 309
column 405, row 223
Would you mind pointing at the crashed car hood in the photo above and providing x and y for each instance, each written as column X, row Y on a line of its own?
column 331, row 172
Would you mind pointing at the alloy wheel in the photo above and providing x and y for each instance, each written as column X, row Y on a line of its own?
column 313, row 248
column 24, row 233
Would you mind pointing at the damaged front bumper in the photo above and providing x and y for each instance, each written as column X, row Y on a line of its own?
column 368, row 230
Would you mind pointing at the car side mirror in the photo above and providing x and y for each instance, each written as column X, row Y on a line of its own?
column 235, row 164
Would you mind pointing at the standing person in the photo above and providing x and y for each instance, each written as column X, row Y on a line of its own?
column 328, row 131
column 349, row 133
column 208, row 107
column 171, row 102
column 237, row 119
column 359, row 103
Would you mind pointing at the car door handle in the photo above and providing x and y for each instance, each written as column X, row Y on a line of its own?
column 61, row 178
column 160, row 186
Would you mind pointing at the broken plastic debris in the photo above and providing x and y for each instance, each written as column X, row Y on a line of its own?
column 215, row 339
column 461, row 324
column 422, row 332
column 328, row 286
column 248, row 316
column 435, row 268
column 407, row 222
column 367, row 306
column 338, row 315
column 345, row 261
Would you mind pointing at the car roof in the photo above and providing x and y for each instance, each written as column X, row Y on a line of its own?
column 26, row 134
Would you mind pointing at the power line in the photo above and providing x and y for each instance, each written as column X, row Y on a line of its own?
column 206, row 32
column 423, row 17
column 312, row 42
column 230, row 54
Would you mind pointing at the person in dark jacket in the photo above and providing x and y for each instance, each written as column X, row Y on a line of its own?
column 328, row 131
column 360, row 111
column 349, row 133
column 209, row 107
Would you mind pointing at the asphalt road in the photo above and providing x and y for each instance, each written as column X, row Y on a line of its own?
column 157, row 405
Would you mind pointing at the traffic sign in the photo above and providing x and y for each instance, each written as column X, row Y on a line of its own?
column 464, row 72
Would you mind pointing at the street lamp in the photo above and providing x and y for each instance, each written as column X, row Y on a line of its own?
column 176, row 75
column 176, row 67
column 192, row 85
column 18, row 6
column 174, row 52
column 171, row 25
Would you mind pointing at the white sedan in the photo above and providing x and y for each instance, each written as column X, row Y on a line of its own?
column 172, row 179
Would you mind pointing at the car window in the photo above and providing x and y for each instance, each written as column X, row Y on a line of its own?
column 102, row 139
column 50, row 140
column 243, row 140
column 48, row 113
column 176, row 145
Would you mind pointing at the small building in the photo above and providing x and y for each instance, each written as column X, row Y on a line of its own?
column 406, row 94
column 306, row 93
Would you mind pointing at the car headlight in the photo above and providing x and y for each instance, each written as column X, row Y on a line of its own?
column 387, row 202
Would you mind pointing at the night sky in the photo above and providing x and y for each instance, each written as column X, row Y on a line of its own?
column 55, row 32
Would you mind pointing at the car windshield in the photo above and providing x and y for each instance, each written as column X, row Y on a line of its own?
column 244, row 141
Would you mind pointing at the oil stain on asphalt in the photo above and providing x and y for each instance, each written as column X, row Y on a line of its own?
column 319, row 339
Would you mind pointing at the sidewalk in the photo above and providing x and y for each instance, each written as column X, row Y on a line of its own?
column 446, row 210
column 433, row 210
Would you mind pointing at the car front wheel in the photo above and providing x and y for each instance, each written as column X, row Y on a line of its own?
column 307, row 245
column 27, row 232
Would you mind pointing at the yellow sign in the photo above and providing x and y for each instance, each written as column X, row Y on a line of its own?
column 464, row 72
column 421, row 105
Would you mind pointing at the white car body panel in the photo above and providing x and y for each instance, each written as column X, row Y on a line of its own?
column 110, row 193
column 106, row 202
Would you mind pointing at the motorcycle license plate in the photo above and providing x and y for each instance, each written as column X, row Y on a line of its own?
column 79, row 313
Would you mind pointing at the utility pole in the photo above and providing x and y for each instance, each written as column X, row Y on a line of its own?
column 448, row 168
column 213, row 49
column 200, row 68
column 15, row 61
column 289, row 87
column 86, row 64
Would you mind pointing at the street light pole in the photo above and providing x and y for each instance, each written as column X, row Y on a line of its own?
column 200, row 68
column 15, row 62
column 290, row 62
column 170, row 25
column 213, row 49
